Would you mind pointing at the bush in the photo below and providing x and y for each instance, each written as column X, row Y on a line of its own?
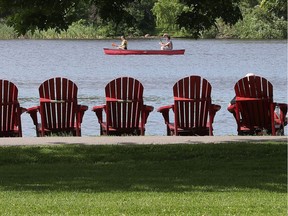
column 260, row 25
column 210, row 33
column 7, row 32
column 78, row 30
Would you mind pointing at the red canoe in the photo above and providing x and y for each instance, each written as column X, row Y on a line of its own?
column 143, row 52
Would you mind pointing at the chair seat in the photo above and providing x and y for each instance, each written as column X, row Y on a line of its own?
column 58, row 131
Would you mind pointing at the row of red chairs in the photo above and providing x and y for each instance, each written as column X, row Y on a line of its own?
column 126, row 114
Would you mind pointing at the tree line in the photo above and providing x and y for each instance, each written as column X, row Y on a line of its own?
column 253, row 19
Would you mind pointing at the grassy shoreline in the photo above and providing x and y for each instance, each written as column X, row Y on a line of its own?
column 78, row 31
column 204, row 179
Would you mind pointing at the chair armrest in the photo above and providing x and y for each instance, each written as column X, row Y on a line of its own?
column 33, row 114
column 82, row 108
column 213, row 109
column 99, row 112
column 231, row 108
column 81, row 111
column 22, row 110
column 148, row 108
column 146, row 111
column 164, row 110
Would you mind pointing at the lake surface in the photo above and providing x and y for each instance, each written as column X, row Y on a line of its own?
column 28, row 63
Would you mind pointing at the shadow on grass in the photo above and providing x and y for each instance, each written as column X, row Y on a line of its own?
column 161, row 168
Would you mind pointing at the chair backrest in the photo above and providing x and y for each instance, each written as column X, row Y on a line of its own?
column 254, row 102
column 58, row 104
column 192, row 100
column 124, row 103
column 9, row 108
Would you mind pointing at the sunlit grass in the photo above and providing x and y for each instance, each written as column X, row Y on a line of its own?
column 222, row 179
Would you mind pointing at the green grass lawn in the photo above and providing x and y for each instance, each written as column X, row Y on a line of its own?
column 204, row 179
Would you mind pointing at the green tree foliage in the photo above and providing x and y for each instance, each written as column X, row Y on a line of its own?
column 166, row 13
column 202, row 14
column 114, row 10
column 249, row 3
column 137, row 18
column 195, row 18
column 142, row 12
column 258, row 24
column 275, row 7
column 26, row 15
column 261, row 20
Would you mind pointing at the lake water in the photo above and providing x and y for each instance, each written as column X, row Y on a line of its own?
column 28, row 63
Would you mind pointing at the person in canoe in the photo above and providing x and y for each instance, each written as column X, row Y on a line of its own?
column 167, row 45
column 123, row 45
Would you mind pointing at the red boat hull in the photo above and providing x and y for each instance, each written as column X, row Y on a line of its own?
column 143, row 52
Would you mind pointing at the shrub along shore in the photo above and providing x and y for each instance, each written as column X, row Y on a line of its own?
column 205, row 179
column 78, row 30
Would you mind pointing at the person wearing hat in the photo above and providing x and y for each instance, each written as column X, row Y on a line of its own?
column 167, row 45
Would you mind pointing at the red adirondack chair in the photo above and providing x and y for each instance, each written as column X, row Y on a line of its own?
column 254, row 107
column 125, row 112
column 59, row 109
column 10, row 110
column 193, row 110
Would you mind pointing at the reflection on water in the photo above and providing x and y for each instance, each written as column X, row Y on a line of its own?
column 28, row 63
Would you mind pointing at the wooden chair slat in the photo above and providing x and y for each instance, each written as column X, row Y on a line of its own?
column 10, row 121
